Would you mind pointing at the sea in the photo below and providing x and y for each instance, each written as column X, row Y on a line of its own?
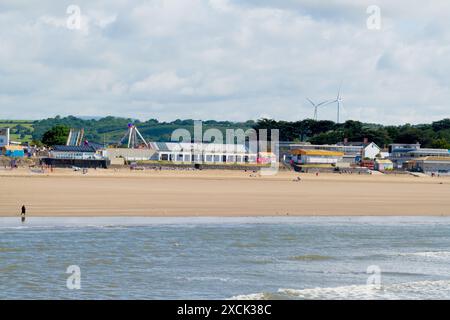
column 225, row 258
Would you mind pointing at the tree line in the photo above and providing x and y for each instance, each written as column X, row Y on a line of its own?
column 434, row 135
column 111, row 129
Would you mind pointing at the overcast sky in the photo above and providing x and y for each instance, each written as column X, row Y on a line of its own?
column 225, row 59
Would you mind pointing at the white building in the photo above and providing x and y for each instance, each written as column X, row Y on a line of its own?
column 301, row 156
column 203, row 153
column 428, row 152
column 351, row 150
column 130, row 154
column 76, row 153
column 400, row 154
column 4, row 137
column 370, row 151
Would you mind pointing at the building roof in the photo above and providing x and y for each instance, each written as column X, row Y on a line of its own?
column 95, row 145
column 434, row 158
column 13, row 148
column 403, row 149
column 429, row 151
column 86, row 148
column 385, row 161
column 317, row 152
column 353, row 144
column 405, row 144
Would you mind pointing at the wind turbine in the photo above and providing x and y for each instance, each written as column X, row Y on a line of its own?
column 339, row 102
column 316, row 106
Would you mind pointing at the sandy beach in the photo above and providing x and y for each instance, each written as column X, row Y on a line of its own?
column 218, row 193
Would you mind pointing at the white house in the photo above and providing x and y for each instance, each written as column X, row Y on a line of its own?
column 370, row 150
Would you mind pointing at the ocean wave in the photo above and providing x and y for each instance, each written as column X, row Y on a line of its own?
column 439, row 289
column 260, row 261
column 206, row 278
column 410, row 290
column 310, row 257
column 255, row 296
column 429, row 254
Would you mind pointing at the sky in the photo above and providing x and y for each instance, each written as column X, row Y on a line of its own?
column 226, row 59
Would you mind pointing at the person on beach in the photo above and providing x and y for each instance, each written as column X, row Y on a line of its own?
column 22, row 215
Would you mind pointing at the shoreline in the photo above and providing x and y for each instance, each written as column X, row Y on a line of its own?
column 219, row 193
column 135, row 221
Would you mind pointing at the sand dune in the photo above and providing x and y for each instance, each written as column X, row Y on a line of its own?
column 218, row 193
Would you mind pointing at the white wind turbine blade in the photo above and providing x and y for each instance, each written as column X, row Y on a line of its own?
column 329, row 102
column 323, row 103
column 339, row 91
column 315, row 108
column 310, row 101
column 339, row 100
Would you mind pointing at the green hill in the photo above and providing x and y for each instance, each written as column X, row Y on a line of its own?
column 112, row 129
column 20, row 130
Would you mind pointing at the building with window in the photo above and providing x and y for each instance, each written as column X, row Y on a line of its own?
column 130, row 154
column 4, row 137
column 402, row 154
column 430, row 165
column 212, row 153
column 84, row 152
column 84, row 156
column 317, row 157
column 353, row 151
column 367, row 150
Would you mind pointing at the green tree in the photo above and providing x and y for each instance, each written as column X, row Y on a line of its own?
column 440, row 144
column 57, row 135
column 441, row 124
column 37, row 143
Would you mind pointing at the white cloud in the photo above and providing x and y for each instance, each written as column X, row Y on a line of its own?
column 161, row 82
column 225, row 59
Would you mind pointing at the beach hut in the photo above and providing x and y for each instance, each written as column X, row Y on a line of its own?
column 13, row 151
column 266, row 158
column 384, row 165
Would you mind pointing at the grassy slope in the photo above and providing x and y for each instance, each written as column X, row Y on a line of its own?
column 13, row 123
